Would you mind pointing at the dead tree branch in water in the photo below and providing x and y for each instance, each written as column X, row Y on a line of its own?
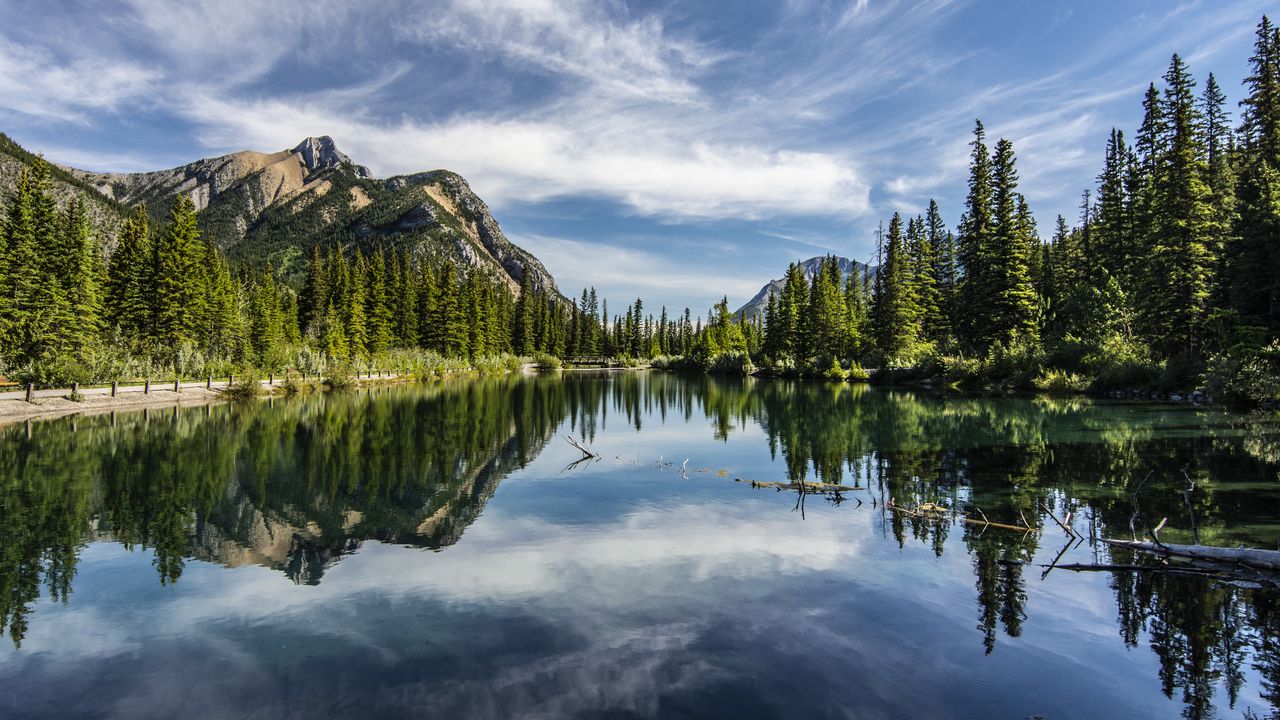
column 586, row 451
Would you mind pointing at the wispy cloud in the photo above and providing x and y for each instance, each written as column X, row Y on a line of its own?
column 831, row 113
column 36, row 82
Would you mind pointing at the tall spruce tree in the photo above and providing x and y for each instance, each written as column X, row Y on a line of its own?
column 1014, row 305
column 1253, row 264
column 178, row 291
column 1181, row 260
column 129, row 278
column 976, row 289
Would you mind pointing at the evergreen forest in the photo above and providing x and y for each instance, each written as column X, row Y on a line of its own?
column 1169, row 279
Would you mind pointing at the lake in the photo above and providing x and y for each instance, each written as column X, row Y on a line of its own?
column 439, row 551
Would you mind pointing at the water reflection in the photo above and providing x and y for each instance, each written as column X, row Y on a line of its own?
column 297, row 486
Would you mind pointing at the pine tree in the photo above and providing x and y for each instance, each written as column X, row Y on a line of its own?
column 940, row 311
column 84, row 278
column 177, row 296
column 130, row 276
column 1253, row 263
column 1013, row 302
column 976, row 289
column 1181, row 260
column 377, row 307
column 1113, row 236
column 896, row 312
column 313, row 303
column 264, row 318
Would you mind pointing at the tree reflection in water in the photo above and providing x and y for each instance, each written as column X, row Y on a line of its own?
column 297, row 485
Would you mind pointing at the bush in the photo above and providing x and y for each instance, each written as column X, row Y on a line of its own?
column 730, row 363
column 835, row 373
column 246, row 386
column 1241, row 376
column 340, row 378
column 1120, row 363
column 546, row 361
column 1061, row 381
column 677, row 363
column 294, row 384
column 856, row 373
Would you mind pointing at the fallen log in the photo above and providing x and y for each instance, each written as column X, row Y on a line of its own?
column 930, row 511
column 800, row 486
column 1249, row 557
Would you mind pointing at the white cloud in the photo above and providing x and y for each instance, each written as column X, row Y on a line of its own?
column 630, row 273
column 577, row 39
column 34, row 81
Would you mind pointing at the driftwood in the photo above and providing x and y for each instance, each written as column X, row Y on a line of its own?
column 1248, row 557
column 930, row 511
column 586, row 451
column 801, row 486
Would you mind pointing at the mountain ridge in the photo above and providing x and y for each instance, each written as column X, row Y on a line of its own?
column 754, row 308
column 260, row 207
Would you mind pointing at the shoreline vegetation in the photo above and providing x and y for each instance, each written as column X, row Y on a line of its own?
column 49, row 403
column 1169, row 283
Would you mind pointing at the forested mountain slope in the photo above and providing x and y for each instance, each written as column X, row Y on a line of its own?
column 259, row 207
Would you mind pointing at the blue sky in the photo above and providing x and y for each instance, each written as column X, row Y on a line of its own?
column 674, row 151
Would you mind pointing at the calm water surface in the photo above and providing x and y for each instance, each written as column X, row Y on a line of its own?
column 430, row 551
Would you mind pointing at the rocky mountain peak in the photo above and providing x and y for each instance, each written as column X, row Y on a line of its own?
column 322, row 153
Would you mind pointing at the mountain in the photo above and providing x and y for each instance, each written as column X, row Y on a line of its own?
column 754, row 308
column 104, row 213
column 275, row 207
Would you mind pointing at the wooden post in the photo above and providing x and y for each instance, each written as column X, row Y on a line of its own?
column 115, row 387
column 31, row 391
column 146, row 386
column 75, row 388
column 208, row 384
column 271, row 378
column 175, row 385
column 231, row 379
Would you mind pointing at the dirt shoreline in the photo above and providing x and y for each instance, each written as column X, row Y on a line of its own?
column 15, row 410
column 49, row 408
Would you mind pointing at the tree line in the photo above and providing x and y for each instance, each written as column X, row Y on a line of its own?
column 76, row 308
column 1173, row 264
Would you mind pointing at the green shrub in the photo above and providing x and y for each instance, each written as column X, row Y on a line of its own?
column 681, row 363
column 246, row 386
column 1120, row 363
column 546, row 361
column 835, row 372
column 340, row 378
column 730, row 363
column 856, row 373
column 1061, row 381
column 1245, row 376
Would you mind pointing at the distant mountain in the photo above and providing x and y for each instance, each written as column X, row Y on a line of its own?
column 755, row 306
column 104, row 213
column 275, row 207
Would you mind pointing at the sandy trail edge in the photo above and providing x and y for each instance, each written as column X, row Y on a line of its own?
column 47, row 408
column 16, row 410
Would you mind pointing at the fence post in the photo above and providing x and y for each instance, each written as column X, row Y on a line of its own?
column 115, row 387
column 146, row 386
column 271, row 378
column 231, row 379
column 31, row 391
column 175, row 385
column 208, row 384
